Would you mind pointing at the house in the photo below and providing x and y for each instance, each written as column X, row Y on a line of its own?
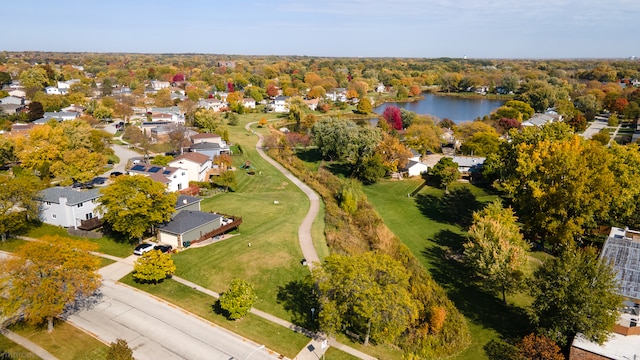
column 188, row 226
column 339, row 94
column 249, row 103
column 74, row 108
column 211, row 150
column 185, row 202
column 415, row 168
column 279, row 104
column 11, row 109
column 380, row 88
column 469, row 165
column 415, row 156
column 227, row 63
column 67, row 207
column 196, row 164
column 622, row 251
column 312, row 104
column 21, row 129
column 57, row 115
column 175, row 179
column 12, row 100
column 206, row 137
column 17, row 93
column 542, row 119
column 52, row 90
column 212, row 104
column 159, row 85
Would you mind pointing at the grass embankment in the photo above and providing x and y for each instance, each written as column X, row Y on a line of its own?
column 275, row 337
column 266, row 251
column 434, row 229
column 66, row 342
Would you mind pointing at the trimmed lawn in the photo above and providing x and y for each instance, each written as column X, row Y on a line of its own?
column 432, row 229
column 106, row 245
column 335, row 354
column 65, row 342
column 266, row 251
column 275, row 337
column 13, row 350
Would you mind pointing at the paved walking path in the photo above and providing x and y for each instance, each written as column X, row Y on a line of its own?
column 29, row 345
column 304, row 231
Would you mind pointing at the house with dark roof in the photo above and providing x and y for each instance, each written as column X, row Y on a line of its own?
column 175, row 179
column 68, row 207
column 188, row 226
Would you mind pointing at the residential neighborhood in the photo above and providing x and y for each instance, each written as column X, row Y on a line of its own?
column 264, row 196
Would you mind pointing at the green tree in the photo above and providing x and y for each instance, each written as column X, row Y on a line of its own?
column 17, row 203
column 46, row 277
column 120, row 350
column 238, row 300
column 481, row 144
column 5, row 78
column 445, row 171
column 162, row 160
column 7, row 150
column 496, row 250
column 368, row 292
column 364, row 106
column 227, row 180
column 522, row 107
column 423, row 137
column 153, row 267
column 208, row 120
column 35, row 77
column 132, row 204
column 602, row 137
column 575, row 293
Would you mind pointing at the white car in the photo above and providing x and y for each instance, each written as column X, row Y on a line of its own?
column 143, row 248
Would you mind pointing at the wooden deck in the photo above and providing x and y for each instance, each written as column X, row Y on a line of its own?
column 237, row 220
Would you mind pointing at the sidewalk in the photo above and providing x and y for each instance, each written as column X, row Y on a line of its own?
column 29, row 345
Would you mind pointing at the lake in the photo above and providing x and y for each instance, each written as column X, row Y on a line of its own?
column 451, row 107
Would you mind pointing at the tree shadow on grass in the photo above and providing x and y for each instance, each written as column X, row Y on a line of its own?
column 457, row 207
column 309, row 155
column 481, row 307
column 340, row 169
column 299, row 297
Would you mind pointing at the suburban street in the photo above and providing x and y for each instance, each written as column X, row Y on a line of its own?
column 155, row 329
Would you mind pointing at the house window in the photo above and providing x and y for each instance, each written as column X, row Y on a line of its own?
column 88, row 216
column 80, row 205
column 54, row 216
column 179, row 186
column 48, row 203
column 183, row 174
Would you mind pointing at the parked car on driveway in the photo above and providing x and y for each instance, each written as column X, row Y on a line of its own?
column 143, row 248
column 163, row 248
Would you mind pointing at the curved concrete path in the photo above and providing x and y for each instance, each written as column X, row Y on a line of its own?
column 304, row 231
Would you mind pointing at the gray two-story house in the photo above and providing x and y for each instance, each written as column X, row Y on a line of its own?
column 68, row 207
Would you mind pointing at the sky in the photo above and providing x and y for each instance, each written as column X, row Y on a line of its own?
column 333, row 28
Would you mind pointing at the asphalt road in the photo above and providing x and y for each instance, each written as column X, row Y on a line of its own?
column 156, row 330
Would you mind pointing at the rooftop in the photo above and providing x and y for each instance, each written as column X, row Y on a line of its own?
column 622, row 251
column 73, row 196
column 187, row 220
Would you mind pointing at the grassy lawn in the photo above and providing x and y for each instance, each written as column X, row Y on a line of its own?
column 13, row 350
column 438, row 228
column 275, row 337
column 335, row 354
column 11, row 244
column 66, row 342
column 273, row 259
column 106, row 244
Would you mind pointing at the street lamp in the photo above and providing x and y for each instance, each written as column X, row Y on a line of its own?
column 251, row 353
column 313, row 311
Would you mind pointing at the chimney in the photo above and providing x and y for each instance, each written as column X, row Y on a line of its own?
column 184, row 201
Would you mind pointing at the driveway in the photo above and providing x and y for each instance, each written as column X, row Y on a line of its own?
column 598, row 124
column 155, row 329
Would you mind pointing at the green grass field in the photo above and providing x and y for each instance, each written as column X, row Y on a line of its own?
column 433, row 229
column 66, row 342
column 273, row 259
column 13, row 351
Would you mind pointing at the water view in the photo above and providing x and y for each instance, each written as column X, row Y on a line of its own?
column 454, row 108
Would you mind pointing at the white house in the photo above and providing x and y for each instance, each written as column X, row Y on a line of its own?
column 58, row 115
column 159, row 85
column 542, row 119
column 312, row 104
column 415, row 168
column 249, row 103
column 52, row 90
column 17, row 93
column 195, row 163
column 12, row 100
column 212, row 104
column 67, row 207
column 175, row 179
column 469, row 164
column 279, row 104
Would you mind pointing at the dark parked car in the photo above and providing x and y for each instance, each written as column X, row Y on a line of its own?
column 115, row 174
column 143, row 248
column 163, row 248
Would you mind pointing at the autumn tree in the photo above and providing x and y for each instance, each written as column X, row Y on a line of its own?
column 66, row 150
column 575, row 293
column 445, row 171
column 369, row 292
column 208, row 120
column 7, row 151
column 132, row 204
column 45, row 278
column 393, row 153
column 263, row 122
column 223, row 160
column 393, row 117
column 496, row 250
column 423, row 137
column 238, row 300
column 17, row 203
column 539, row 347
column 364, row 106
column 153, row 267
column 36, row 110
column 120, row 350
column 481, row 144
